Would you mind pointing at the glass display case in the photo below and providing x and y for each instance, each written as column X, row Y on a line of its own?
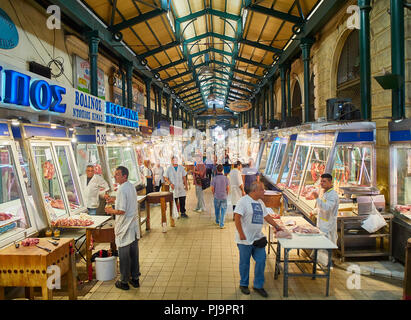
column 16, row 216
column 122, row 155
column 87, row 154
column 281, row 171
column 400, row 165
column 55, row 172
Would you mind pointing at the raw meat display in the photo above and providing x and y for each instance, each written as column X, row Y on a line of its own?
column 307, row 192
column 55, row 203
column 71, row 222
column 275, row 216
column 48, row 170
column 306, row 229
column 317, row 169
column 403, row 209
column 281, row 185
column 293, row 188
column 283, row 234
column 98, row 169
column 290, row 223
column 30, row 242
column 5, row 216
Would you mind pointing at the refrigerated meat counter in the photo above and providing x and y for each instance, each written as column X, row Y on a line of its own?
column 400, row 185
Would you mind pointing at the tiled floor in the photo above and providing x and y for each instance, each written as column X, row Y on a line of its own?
column 197, row 260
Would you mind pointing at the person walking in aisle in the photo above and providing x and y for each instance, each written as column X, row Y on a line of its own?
column 209, row 168
column 250, row 214
column 158, row 176
column 148, row 174
column 199, row 174
column 176, row 176
column 126, row 229
column 220, row 187
column 91, row 184
column 236, row 184
column 227, row 163
column 250, row 174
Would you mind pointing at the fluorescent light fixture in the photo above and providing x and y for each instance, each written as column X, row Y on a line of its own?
column 74, row 139
column 15, row 122
column 71, row 129
column 53, row 126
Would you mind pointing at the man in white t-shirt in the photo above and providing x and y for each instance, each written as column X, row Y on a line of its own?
column 249, row 215
column 126, row 230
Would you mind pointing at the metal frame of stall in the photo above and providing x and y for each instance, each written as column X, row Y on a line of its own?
column 6, row 139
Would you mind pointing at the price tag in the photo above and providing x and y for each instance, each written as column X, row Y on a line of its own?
column 101, row 136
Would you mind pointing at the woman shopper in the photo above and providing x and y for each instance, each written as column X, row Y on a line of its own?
column 236, row 184
column 199, row 174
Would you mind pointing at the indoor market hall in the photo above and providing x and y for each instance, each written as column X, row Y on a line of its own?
column 205, row 158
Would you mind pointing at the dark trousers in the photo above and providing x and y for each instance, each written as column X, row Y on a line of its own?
column 209, row 173
column 158, row 188
column 181, row 202
column 129, row 263
column 233, row 212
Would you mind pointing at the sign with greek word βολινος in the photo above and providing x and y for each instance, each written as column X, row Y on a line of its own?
column 101, row 136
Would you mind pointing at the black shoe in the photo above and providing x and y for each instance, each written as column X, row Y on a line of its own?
column 245, row 290
column 135, row 283
column 183, row 215
column 122, row 285
column 261, row 291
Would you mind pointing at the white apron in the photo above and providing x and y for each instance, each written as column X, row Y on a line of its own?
column 176, row 178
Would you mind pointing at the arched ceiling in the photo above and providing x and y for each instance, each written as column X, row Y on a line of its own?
column 199, row 47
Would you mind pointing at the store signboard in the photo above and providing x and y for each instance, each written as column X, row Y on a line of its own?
column 82, row 77
column 27, row 91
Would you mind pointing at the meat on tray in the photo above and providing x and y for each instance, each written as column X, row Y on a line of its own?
column 48, row 170
column 307, row 192
column 5, row 216
column 404, row 208
column 71, row 222
column 30, row 242
column 275, row 216
column 281, row 185
column 283, row 234
column 98, row 169
column 307, row 229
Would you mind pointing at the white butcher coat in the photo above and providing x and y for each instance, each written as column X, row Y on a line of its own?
column 327, row 208
column 236, row 181
column 91, row 191
column 176, row 178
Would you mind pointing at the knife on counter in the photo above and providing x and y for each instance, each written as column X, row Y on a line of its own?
column 44, row 248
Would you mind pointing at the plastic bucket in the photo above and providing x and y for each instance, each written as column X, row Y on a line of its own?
column 106, row 268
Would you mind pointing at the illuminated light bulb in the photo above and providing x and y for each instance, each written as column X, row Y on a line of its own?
column 53, row 126
column 15, row 122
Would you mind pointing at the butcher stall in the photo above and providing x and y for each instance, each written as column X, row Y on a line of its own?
column 400, row 185
column 347, row 151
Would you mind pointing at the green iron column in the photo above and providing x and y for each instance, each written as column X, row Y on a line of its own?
column 283, row 94
column 264, row 105
column 129, row 79
column 365, row 60
column 168, row 107
column 397, row 57
column 93, row 41
column 271, row 93
column 173, row 113
column 305, row 45
column 123, row 86
column 148, row 102
column 289, row 91
column 160, row 104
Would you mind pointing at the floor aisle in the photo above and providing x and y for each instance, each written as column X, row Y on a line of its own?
column 198, row 260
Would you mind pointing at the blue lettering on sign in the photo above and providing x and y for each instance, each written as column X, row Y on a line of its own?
column 17, row 88
column 40, row 93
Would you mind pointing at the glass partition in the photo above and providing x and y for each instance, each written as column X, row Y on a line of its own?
column 287, row 164
column 67, row 173
column 13, row 213
column 278, row 162
column 46, row 167
column 122, row 156
column 87, row 154
column 401, row 180
column 352, row 166
column 273, row 152
column 297, row 171
column 314, row 170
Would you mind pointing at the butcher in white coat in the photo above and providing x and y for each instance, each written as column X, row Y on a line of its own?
column 327, row 209
column 93, row 185
column 176, row 176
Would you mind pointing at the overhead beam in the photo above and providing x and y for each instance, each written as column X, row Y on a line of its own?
column 261, row 46
column 210, row 34
column 254, row 63
column 170, row 65
column 241, row 89
column 159, row 49
column 214, row 12
column 179, row 75
column 182, row 84
column 276, row 14
column 247, row 74
column 136, row 20
column 187, row 90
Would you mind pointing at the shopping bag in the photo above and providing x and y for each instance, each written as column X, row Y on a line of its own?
column 374, row 222
column 175, row 210
column 205, row 183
